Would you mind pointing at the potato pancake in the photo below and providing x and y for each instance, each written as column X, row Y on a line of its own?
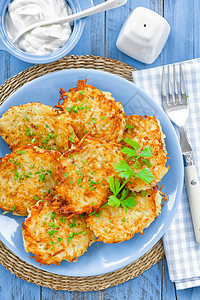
column 52, row 238
column 26, row 175
column 94, row 111
column 146, row 131
column 114, row 225
column 35, row 123
column 83, row 173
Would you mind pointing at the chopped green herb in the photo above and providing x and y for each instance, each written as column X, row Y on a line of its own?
column 62, row 219
column 92, row 213
column 144, row 193
column 103, row 118
column 71, row 138
column 98, row 214
column 66, row 174
column 51, row 232
column 21, row 152
column 73, row 224
column 29, row 133
column 50, row 172
column 71, row 235
column 79, row 179
column 53, row 216
column 13, row 208
column 42, row 177
column 129, row 126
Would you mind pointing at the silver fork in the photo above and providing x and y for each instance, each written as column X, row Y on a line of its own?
column 177, row 109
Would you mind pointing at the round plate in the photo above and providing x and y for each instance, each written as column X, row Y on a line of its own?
column 100, row 258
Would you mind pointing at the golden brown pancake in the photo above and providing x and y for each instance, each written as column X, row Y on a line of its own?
column 52, row 238
column 94, row 111
column 114, row 225
column 35, row 123
column 26, row 175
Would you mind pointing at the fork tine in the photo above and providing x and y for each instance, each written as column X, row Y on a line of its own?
column 175, row 86
column 182, row 87
column 170, row 87
column 163, row 89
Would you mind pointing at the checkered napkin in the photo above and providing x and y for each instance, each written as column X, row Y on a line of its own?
column 182, row 252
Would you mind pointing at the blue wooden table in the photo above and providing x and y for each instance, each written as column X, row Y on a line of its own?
column 99, row 39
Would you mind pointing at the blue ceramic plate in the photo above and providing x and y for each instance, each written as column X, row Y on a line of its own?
column 100, row 258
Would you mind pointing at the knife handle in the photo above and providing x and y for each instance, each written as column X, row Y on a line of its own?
column 193, row 191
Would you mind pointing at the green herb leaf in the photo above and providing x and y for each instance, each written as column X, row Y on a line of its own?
column 112, row 184
column 124, row 194
column 146, row 152
column 124, row 169
column 134, row 144
column 129, row 152
column 147, row 162
column 130, row 202
column 113, row 201
column 145, row 175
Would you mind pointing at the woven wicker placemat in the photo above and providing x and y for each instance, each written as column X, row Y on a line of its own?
column 32, row 274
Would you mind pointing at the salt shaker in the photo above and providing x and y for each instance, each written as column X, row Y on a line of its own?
column 143, row 35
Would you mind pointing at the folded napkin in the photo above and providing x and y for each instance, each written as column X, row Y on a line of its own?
column 182, row 252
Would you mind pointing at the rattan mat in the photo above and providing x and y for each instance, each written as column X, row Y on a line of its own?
column 32, row 274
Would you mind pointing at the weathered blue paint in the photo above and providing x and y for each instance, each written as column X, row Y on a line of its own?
column 99, row 38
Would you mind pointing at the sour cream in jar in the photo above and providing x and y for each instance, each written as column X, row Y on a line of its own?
column 41, row 40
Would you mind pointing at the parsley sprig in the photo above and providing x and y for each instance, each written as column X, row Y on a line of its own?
column 120, row 193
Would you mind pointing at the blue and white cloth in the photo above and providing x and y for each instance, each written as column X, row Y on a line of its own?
column 181, row 250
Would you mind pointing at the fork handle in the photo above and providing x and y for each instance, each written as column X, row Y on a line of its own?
column 193, row 191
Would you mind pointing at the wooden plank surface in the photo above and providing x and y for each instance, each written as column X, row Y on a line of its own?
column 99, row 38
